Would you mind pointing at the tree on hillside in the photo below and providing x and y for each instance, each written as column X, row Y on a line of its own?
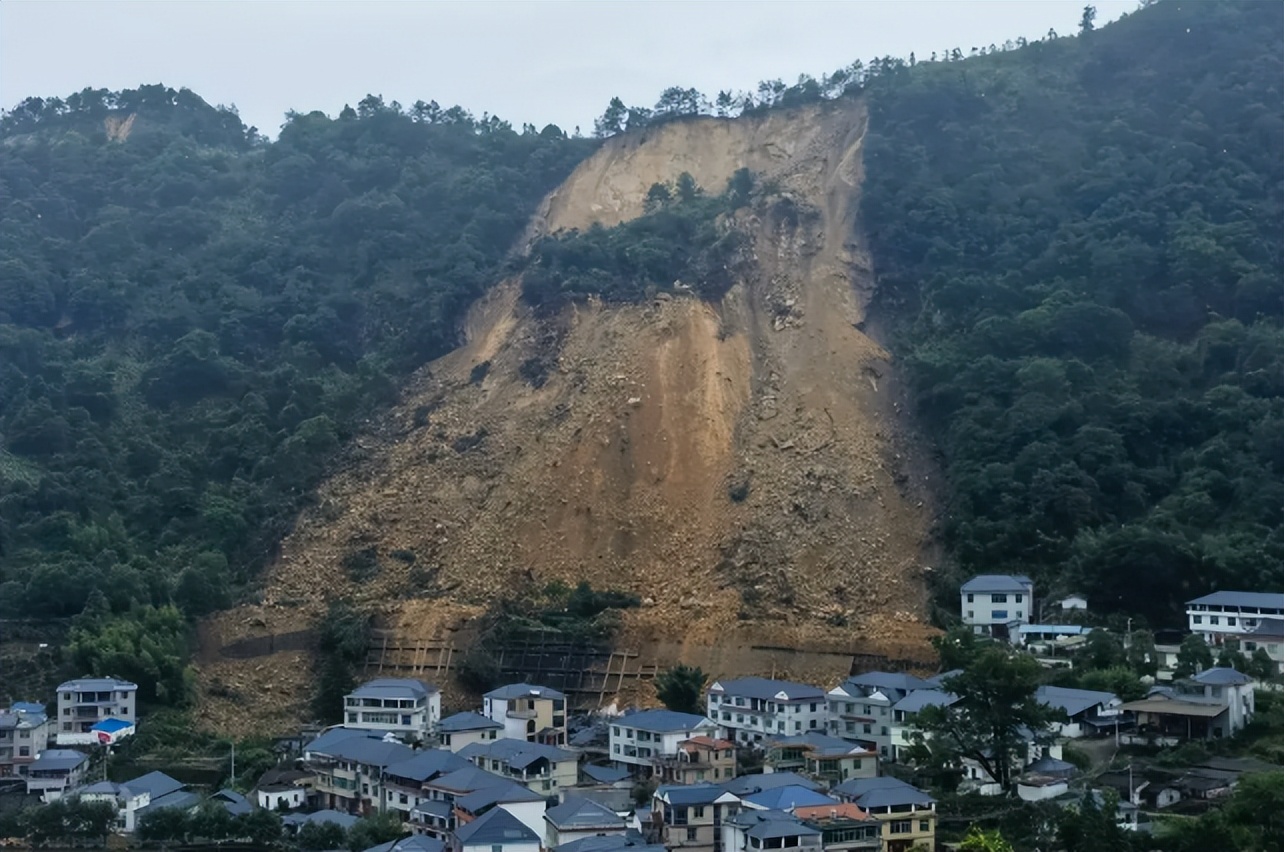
column 681, row 688
column 612, row 121
column 1086, row 21
column 374, row 830
column 992, row 719
column 1193, row 656
column 1093, row 826
column 978, row 840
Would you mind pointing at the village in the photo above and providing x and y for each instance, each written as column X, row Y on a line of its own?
column 764, row 764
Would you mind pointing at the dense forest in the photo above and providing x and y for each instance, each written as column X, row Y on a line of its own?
column 192, row 320
column 1080, row 246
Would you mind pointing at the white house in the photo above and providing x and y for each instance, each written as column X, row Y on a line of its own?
column 580, row 818
column 464, row 729
column 637, row 739
column 755, row 708
column 132, row 797
column 990, row 603
column 860, row 709
column 1036, row 636
column 280, row 797
column 1087, row 711
column 496, row 830
column 528, row 712
column 1267, row 635
column 24, row 733
column 1227, row 614
column 84, row 702
column 1072, row 602
column 406, row 707
column 545, row 769
column 55, row 771
column 904, row 715
column 1215, row 703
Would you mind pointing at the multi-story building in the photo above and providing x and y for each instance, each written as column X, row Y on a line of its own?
column 992, row 604
column 754, row 708
column 24, row 733
column 466, row 728
column 577, row 819
column 823, row 758
column 1224, row 615
column 405, row 707
column 55, row 771
column 1215, row 703
column 905, row 712
column 523, row 803
column 843, row 827
column 546, row 769
column 637, row 739
column 690, row 816
column 403, row 782
column 84, row 702
column 497, row 831
column 860, row 709
column 756, row 830
column 436, row 815
column 349, row 766
column 134, row 797
column 528, row 712
column 697, row 760
column 907, row 814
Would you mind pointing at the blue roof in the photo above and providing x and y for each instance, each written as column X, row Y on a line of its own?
column 997, row 583
column 234, row 802
column 327, row 739
column 97, row 684
column 524, row 690
column 664, row 721
column 1221, row 676
column 583, row 814
column 921, row 698
column 58, row 758
column 466, row 780
column 938, row 680
column 467, row 721
column 411, row 843
column 787, row 797
column 786, row 827
column 881, row 681
column 1072, row 701
column 495, row 827
column 427, row 764
column 610, row 843
column 154, row 784
column 690, row 794
column 516, row 753
column 27, row 707
column 769, row 690
column 339, row 818
column 604, row 774
column 111, row 726
column 757, row 782
column 882, row 791
column 367, row 751
column 496, row 793
column 181, row 799
column 394, row 687
column 1264, row 600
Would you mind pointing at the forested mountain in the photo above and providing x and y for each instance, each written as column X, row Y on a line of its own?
column 1080, row 246
column 192, row 320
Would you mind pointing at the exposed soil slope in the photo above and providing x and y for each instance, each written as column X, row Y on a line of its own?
column 621, row 468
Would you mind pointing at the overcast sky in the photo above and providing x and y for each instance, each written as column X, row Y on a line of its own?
column 536, row 62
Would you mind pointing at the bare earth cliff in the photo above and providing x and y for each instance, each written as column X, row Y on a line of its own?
column 737, row 465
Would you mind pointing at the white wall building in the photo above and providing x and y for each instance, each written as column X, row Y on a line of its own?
column 84, row 702
column 860, row 709
column 989, row 603
column 528, row 712
column 1223, row 614
column 280, row 797
column 464, row 729
column 753, row 709
column 408, row 708
column 638, row 738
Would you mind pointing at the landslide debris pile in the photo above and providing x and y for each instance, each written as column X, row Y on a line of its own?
column 738, row 465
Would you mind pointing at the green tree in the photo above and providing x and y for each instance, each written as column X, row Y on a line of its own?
column 164, row 826
column 1193, row 656
column 978, row 840
column 612, row 121
column 313, row 837
column 1093, row 826
column 957, row 647
column 374, row 830
column 991, row 720
column 260, row 826
column 1261, row 666
column 1087, row 19
column 681, row 688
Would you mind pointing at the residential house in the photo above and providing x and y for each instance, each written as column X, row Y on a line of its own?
column 233, row 802
column 528, row 712
column 637, row 739
column 522, row 802
column 133, row 797
column 283, row 787
column 690, row 816
column 991, row 604
column 827, row 759
column 627, row 842
column 1036, row 747
column 1047, row 638
column 1215, row 703
column 754, row 830
column 410, row 843
column 435, row 815
column 293, row 822
column 1088, row 711
column 844, row 827
column 594, row 775
column 697, row 760
column 83, row 702
column 1072, row 602
column 754, row 708
column 24, row 733
column 1224, row 615
column 860, row 709
column 578, row 819
column 784, row 798
column 403, row 782
column 543, row 768
column 497, row 831
column 55, row 771
column 905, row 713
column 407, row 708
column 466, row 728
column 1266, row 635
column 907, row 814
column 747, row 785
column 349, row 766
column 1046, row 778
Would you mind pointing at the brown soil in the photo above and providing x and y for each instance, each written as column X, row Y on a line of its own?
column 619, row 469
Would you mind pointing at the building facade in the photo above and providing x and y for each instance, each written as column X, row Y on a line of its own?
column 860, row 709
column 463, row 729
column 528, row 712
column 407, row 708
column 638, row 739
column 690, row 817
column 24, row 733
column 84, row 702
column 753, row 709
column 907, row 814
column 697, row 760
column 992, row 603
column 1224, row 615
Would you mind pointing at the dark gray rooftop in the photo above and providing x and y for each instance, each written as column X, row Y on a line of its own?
column 516, row 753
column 524, row 690
column 394, row 687
column 610, row 843
column 494, row 794
column 57, row 759
column 1072, row 701
column 997, row 583
column 921, row 698
column 427, row 764
column 769, row 690
column 155, row 784
column 467, row 721
column 1259, row 600
column 604, row 774
column 495, row 827
column 881, row 681
column 690, row 794
column 788, row 797
column 411, row 843
column 663, row 721
column 583, row 814
column 1221, row 676
column 97, row 684
column 747, row 784
column 882, row 791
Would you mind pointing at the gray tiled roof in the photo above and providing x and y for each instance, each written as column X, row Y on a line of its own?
column 427, row 764
column 1268, row 600
column 412, row 843
column 921, row 698
column 97, row 684
column 1221, row 676
column 154, row 784
column 583, row 814
column 788, row 797
column 1072, row 701
column 821, row 744
column 516, row 753
column 524, row 690
column 368, row 752
column 997, row 583
column 663, row 721
column 328, row 739
column 772, row 829
column 466, row 780
column 56, row 759
column 467, row 721
column 747, row 784
column 495, row 827
column 604, row 774
column 496, row 793
column 610, row 843
column 887, row 680
column 882, row 791
column 181, row 799
column 1269, row 627
column 768, row 690
column 394, row 687
column 339, row 818
column 690, row 794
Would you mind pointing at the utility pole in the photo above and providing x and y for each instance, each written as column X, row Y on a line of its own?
column 233, row 773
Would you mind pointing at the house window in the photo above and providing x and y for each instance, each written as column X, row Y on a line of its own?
column 869, row 729
column 1199, row 619
column 902, row 826
column 924, row 825
column 616, row 730
column 496, row 847
column 691, row 833
column 1002, row 598
column 1230, row 621
column 999, row 614
column 1212, row 619
column 970, row 599
column 24, row 751
column 1017, row 599
column 851, row 708
column 698, row 812
column 813, row 706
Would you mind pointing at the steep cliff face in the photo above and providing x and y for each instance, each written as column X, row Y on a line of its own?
column 738, row 465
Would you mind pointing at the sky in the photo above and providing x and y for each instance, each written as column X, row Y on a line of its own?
column 556, row 62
